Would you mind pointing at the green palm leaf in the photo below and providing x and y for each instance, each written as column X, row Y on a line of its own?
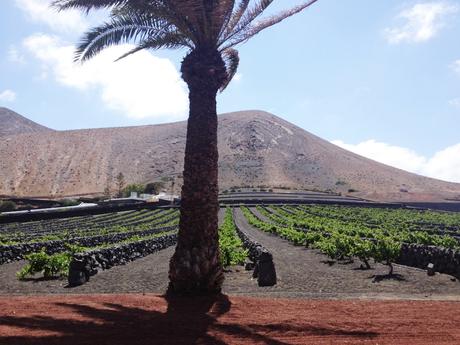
column 87, row 5
column 167, row 40
column 120, row 29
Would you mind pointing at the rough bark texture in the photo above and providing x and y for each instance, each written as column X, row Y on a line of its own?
column 195, row 267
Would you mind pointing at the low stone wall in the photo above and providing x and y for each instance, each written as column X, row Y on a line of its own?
column 84, row 265
column 18, row 251
column 264, row 269
column 444, row 260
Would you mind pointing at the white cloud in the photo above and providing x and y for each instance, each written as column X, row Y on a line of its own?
column 40, row 11
column 140, row 86
column 15, row 56
column 444, row 165
column 455, row 102
column 7, row 96
column 391, row 155
column 456, row 66
column 422, row 22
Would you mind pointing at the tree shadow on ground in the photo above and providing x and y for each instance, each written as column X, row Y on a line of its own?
column 186, row 321
column 40, row 279
column 362, row 268
column 377, row 278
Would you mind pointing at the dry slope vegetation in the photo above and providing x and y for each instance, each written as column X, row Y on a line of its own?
column 256, row 148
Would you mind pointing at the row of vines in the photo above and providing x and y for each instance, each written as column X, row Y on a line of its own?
column 344, row 233
column 60, row 239
column 49, row 245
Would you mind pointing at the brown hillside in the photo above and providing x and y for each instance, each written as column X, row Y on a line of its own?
column 12, row 123
column 256, row 148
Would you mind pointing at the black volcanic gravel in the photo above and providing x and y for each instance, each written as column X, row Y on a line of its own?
column 301, row 273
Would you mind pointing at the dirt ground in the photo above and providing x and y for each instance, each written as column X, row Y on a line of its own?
column 137, row 319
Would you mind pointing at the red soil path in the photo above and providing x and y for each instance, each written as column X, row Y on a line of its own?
column 150, row 319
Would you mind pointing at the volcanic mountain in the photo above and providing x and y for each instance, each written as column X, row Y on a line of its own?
column 12, row 123
column 256, row 149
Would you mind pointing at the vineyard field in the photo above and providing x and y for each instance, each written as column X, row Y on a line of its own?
column 344, row 233
column 411, row 237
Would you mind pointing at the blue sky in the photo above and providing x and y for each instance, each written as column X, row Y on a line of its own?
column 381, row 78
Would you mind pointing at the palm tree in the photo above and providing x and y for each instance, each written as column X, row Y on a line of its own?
column 209, row 30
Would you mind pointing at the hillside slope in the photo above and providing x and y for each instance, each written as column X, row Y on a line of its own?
column 256, row 148
column 12, row 123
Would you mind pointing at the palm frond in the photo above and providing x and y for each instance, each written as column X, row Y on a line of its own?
column 195, row 24
column 225, row 12
column 168, row 40
column 120, row 29
column 247, row 18
column 86, row 5
column 234, row 18
column 166, row 10
column 232, row 61
column 255, row 28
column 198, row 14
column 220, row 15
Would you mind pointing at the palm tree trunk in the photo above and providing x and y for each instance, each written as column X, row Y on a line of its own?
column 195, row 267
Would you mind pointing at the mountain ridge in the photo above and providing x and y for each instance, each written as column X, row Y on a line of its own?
column 256, row 148
column 11, row 123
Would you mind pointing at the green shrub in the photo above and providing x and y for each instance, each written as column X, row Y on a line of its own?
column 337, row 246
column 386, row 250
column 134, row 187
column 363, row 249
column 56, row 265
column 69, row 202
column 230, row 245
column 7, row 206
